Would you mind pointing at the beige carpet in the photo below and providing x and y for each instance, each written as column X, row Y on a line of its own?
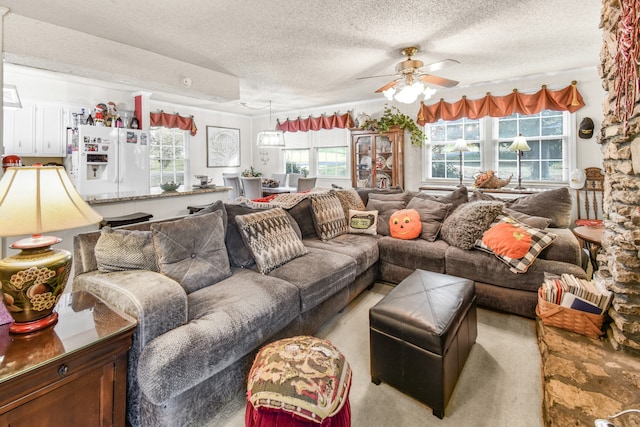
column 499, row 386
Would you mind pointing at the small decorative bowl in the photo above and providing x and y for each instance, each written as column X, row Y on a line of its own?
column 169, row 186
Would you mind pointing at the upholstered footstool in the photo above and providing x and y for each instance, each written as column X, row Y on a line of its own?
column 299, row 382
column 421, row 334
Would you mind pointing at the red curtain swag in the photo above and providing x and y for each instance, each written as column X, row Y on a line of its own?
column 316, row 123
column 174, row 121
column 568, row 99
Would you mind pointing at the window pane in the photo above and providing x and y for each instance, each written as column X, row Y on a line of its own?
column 332, row 161
column 445, row 163
column 297, row 161
column 167, row 155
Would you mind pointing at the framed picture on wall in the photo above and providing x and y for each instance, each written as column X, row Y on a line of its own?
column 223, row 147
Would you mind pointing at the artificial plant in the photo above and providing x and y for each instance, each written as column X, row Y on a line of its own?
column 391, row 117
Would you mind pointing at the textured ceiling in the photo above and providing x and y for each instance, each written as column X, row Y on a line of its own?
column 305, row 54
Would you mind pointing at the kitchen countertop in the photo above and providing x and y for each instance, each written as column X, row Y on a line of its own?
column 153, row 194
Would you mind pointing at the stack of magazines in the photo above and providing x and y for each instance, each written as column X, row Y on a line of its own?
column 579, row 294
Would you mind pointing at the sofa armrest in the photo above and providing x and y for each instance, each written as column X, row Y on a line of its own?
column 156, row 301
column 566, row 248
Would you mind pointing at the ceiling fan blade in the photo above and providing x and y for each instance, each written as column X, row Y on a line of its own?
column 435, row 66
column 375, row 77
column 387, row 86
column 440, row 81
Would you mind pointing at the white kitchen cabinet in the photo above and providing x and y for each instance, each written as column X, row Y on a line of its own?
column 34, row 131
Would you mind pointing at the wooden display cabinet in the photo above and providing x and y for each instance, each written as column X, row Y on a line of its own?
column 70, row 374
column 377, row 158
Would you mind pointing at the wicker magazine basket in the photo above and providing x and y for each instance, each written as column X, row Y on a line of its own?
column 578, row 321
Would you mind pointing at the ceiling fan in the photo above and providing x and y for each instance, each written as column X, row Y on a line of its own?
column 412, row 75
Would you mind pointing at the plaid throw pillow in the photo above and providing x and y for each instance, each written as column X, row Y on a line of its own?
column 514, row 243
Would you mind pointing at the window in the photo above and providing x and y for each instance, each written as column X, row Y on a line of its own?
column 168, row 151
column 489, row 140
column 545, row 136
column 297, row 160
column 442, row 136
column 332, row 161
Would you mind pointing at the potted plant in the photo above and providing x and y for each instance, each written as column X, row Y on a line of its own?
column 251, row 172
column 391, row 117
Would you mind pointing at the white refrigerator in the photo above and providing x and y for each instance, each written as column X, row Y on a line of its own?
column 111, row 162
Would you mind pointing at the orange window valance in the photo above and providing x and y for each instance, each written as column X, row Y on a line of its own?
column 567, row 99
column 336, row 120
column 173, row 121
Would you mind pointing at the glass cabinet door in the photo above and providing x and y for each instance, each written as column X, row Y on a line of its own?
column 364, row 161
column 384, row 162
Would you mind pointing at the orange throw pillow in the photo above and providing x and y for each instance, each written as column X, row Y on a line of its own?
column 508, row 239
column 405, row 224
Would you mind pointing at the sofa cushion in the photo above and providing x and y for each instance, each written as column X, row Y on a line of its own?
column 120, row 250
column 192, row 251
column 555, row 204
column 386, row 204
column 362, row 222
column 565, row 248
column 413, row 254
column 349, row 199
column 218, row 205
column 270, row 238
column 239, row 253
column 227, row 322
column 318, row 275
column 514, row 243
column 467, row 223
column 301, row 212
column 362, row 248
column 365, row 192
column 328, row 216
column 432, row 214
column 530, row 220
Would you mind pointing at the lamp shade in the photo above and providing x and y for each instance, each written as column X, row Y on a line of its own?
column 461, row 145
column 35, row 200
column 519, row 144
column 270, row 138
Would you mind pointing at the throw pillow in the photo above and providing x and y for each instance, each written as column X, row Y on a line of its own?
column 554, row 204
column 405, row 224
column 191, row 250
column 218, row 205
column 432, row 214
column 120, row 250
column 365, row 192
column 349, row 199
column 328, row 216
column 530, row 220
column 386, row 204
column 457, row 197
column 270, row 238
column 363, row 222
column 514, row 243
column 467, row 223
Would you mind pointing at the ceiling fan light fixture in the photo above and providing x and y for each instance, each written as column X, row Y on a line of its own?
column 409, row 92
column 428, row 92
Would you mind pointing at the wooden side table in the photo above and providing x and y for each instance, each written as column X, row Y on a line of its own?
column 71, row 374
column 592, row 238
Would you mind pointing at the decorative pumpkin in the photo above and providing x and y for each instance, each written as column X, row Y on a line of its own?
column 405, row 224
column 507, row 239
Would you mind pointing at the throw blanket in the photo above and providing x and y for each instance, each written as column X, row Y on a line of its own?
column 284, row 200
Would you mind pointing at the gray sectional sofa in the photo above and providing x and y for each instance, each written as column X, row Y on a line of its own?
column 214, row 293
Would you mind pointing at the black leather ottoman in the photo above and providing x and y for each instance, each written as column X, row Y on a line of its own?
column 421, row 334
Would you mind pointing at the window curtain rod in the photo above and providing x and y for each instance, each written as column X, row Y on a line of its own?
column 160, row 118
column 336, row 120
column 567, row 99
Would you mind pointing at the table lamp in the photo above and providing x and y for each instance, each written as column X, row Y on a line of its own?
column 519, row 145
column 460, row 146
column 36, row 200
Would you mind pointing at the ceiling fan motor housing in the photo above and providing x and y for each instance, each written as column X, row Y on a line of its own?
column 409, row 66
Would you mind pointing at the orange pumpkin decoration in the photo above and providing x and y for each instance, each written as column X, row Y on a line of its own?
column 405, row 224
column 507, row 239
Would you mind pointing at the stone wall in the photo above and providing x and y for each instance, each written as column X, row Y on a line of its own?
column 619, row 259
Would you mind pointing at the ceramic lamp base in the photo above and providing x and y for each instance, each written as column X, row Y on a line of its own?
column 36, row 325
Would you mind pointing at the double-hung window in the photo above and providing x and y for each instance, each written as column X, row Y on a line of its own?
column 547, row 134
column 332, row 161
column 296, row 160
column 169, row 160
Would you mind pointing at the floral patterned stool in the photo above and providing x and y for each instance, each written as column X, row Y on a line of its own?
column 300, row 381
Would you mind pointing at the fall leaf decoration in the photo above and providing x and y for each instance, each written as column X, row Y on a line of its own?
column 489, row 179
column 508, row 239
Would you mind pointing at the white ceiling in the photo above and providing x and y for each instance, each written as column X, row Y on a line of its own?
column 302, row 54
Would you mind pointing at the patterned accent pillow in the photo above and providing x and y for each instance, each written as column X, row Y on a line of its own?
column 270, row 238
column 191, row 250
column 120, row 250
column 467, row 223
column 363, row 222
column 328, row 216
column 349, row 199
column 514, row 243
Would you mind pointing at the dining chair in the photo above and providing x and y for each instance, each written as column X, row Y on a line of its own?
column 234, row 183
column 252, row 187
column 281, row 178
column 292, row 179
column 589, row 198
column 305, row 184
